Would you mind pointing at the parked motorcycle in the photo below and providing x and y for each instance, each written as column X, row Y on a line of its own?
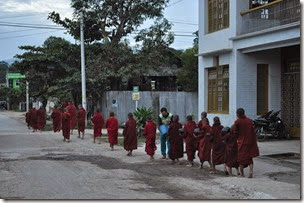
column 270, row 125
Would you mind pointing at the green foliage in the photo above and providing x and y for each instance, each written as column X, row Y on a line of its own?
column 3, row 70
column 188, row 74
column 109, row 19
column 15, row 95
column 141, row 115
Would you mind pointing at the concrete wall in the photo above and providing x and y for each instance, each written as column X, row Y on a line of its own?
column 181, row 103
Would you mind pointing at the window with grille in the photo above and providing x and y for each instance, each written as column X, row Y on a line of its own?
column 218, row 15
column 218, row 89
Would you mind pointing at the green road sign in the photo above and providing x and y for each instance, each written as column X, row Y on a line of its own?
column 135, row 89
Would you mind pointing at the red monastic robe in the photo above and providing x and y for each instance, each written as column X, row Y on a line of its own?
column 205, row 143
column 72, row 110
column 64, row 105
column 98, row 122
column 191, row 142
column 218, row 147
column 246, row 140
column 150, row 134
column 66, row 119
column 56, row 116
column 112, row 128
column 28, row 118
column 81, row 115
column 40, row 118
column 231, row 149
column 34, row 119
column 130, row 135
column 176, row 141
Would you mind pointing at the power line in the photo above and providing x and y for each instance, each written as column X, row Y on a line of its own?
column 28, row 35
column 31, row 29
column 29, row 26
column 178, row 22
column 174, row 3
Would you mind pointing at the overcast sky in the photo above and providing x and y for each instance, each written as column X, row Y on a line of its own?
column 183, row 14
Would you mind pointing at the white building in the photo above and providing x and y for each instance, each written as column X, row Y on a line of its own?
column 249, row 57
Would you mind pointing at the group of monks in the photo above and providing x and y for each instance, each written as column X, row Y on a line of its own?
column 35, row 119
column 233, row 147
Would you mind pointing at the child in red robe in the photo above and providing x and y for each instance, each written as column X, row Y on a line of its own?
column 34, row 119
column 230, row 158
column 176, row 140
column 98, row 122
column 28, row 119
column 130, row 135
column 112, row 128
column 205, row 144
column 190, row 139
column 73, row 111
column 150, row 134
column 66, row 119
column 56, row 116
column 246, row 140
column 218, row 147
column 40, row 118
column 81, row 117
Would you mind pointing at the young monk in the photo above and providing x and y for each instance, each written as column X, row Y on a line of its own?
column 218, row 147
column 40, row 118
column 34, row 119
column 200, row 123
column 130, row 135
column 66, row 119
column 28, row 119
column 230, row 158
column 98, row 122
column 176, row 140
column 81, row 116
column 205, row 144
column 112, row 128
column 72, row 110
column 150, row 134
column 56, row 116
column 246, row 140
column 190, row 139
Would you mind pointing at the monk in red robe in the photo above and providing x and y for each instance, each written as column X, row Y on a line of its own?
column 34, row 119
column 200, row 126
column 72, row 110
column 56, row 116
column 40, row 118
column 130, row 135
column 176, row 140
column 190, row 139
column 66, row 119
column 112, row 128
column 205, row 143
column 150, row 134
column 98, row 122
column 218, row 147
column 81, row 116
column 64, row 105
column 28, row 119
column 230, row 141
column 246, row 140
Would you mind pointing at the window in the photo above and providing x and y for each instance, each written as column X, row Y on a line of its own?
column 17, row 83
column 218, row 89
column 262, row 89
column 218, row 15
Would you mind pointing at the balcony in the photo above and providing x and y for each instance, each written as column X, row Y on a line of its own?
column 277, row 13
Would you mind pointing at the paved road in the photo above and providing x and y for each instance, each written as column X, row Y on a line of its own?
column 42, row 166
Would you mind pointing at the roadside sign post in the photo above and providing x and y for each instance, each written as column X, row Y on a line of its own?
column 136, row 96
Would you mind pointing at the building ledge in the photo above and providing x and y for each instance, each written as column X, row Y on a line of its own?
column 266, row 31
column 216, row 52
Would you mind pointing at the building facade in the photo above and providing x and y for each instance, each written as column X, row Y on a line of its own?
column 249, row 57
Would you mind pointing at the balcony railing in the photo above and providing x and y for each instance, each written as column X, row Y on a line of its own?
column 270, row 15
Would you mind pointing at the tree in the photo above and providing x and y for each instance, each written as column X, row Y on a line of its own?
column 188, row 74
column 109, row 19
column 3, row 70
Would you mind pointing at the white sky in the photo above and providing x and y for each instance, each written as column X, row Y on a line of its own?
column 36, row 11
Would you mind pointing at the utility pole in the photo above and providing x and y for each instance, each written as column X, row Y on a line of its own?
column 7, row 85
column 83, row 79
column 27, row 97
